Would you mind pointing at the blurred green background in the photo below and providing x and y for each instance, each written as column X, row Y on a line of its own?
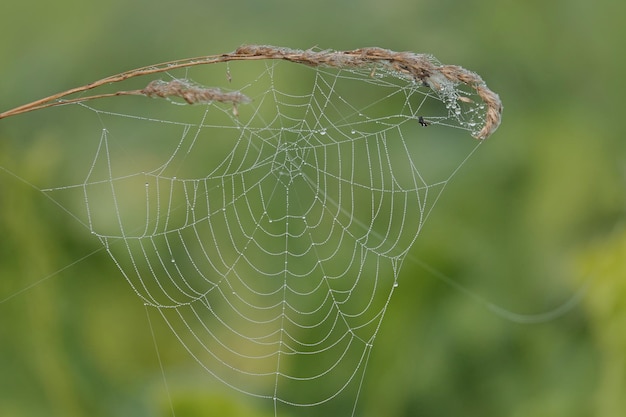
column 535, row 217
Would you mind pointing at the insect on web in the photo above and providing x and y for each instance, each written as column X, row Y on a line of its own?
column 268, row 223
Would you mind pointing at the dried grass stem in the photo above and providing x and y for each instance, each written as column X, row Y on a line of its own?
column 422, row 68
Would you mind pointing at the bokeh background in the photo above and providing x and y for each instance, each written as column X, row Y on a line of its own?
column 483, row 323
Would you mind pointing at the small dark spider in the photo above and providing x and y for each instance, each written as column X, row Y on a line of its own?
column 422, row 121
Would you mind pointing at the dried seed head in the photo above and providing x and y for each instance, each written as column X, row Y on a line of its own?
column 192, row 93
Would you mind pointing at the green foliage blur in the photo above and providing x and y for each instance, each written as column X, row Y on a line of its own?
column 534, row 219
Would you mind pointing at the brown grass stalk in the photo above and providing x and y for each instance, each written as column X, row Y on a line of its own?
column 420, row 67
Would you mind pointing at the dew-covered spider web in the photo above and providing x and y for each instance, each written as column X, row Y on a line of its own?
column 268, row 222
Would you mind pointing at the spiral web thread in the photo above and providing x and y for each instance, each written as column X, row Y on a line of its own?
column 270, row 233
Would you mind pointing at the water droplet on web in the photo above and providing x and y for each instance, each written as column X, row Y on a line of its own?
column 323, row 131
column 353, row 131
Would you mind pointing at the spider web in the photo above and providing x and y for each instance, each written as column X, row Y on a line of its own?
column 270, row 238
